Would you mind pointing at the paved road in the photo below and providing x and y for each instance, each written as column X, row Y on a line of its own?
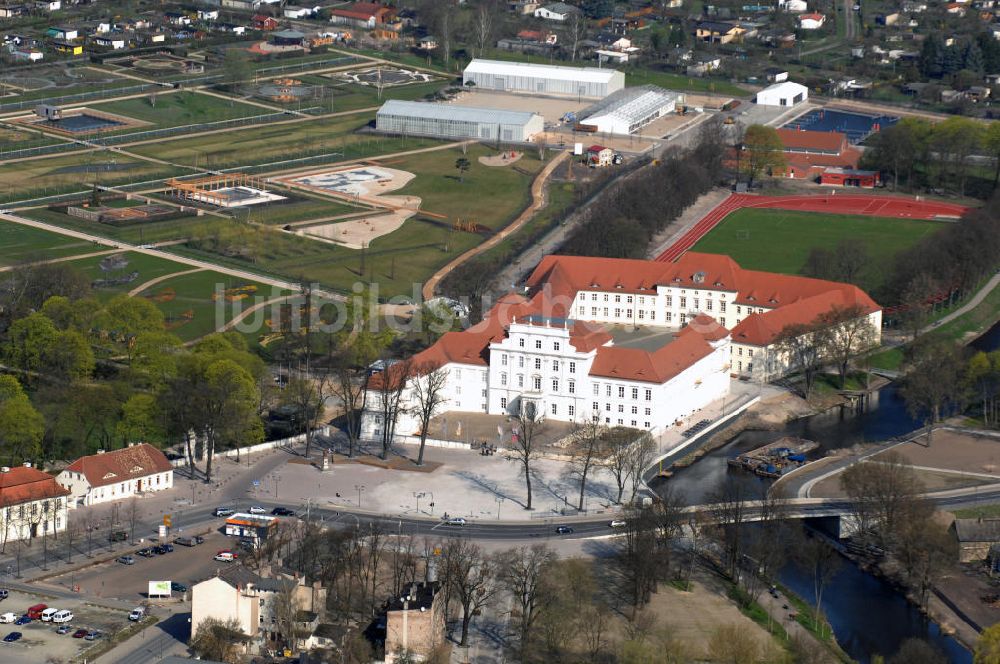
column 968, row 306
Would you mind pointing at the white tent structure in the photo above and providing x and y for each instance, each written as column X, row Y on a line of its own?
column 414, row 118
column 783, row 94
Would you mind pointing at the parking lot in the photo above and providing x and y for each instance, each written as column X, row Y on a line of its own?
column 131, row 582
column 40, row 642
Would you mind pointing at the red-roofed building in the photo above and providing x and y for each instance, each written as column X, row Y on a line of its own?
column 809, row 153
column 811, row 21
column 32, row 503
column 599, row 156
column 115, row 475
column 266, row 23
column 558, row 344
column 381, row 21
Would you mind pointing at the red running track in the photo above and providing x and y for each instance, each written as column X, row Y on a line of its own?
column 876, row 206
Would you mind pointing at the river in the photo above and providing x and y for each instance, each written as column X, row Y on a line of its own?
column 868, row 616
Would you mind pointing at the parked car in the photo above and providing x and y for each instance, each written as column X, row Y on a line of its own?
column 617, row 523
column 62, row 617
column 178, row 587
column 126, row 560
column 456, row 521
column 23, row 620
column 35, row 612
column 137, row 614
column 48, row 613
column 94, row 635
column 4, row 594
column 224, row 511
column 167, row 547
column 13, row 636
column 225, row 556
column 118, row 536
column 64, row 629
column 564, row 530
column 282, row 511
column 256, row 509
column 189, row 541
column 80, row 633
column 145, row 553
column 8, row 617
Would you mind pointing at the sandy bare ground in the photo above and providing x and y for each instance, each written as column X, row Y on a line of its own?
column 954, row 450
column 502, row 159
column 356, row 233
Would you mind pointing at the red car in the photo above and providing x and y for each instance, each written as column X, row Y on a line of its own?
column 80, row 633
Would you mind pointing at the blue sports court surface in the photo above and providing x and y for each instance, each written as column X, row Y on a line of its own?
column 857, row 126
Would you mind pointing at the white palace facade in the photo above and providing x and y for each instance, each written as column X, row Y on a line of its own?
column 634, row 343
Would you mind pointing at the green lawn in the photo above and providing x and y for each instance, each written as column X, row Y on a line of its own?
column 148, row 267
column 57, row 175
column 187, row 302
column 179, row 108
column 780, row 240
column 20, row 243
column 679, row 82
column 153, row 231
column 268, row 143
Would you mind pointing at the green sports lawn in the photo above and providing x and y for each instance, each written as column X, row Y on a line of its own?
column 179, row 108
column 780, row 240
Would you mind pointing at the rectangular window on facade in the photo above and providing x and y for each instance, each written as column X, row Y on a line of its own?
column 633, row 422
column 520, row 362
column 683, row 302
column 618, row 299
column 538, row 382
column 538, row 344
column 670, row 317
column 740, row 351
column 722, row 306
column 695, row 303
column 605, row 297
column 503, row 359
column 608, row 390
column 520, row 380
column 683, row 319
column 572, row 387
column 503, row 402
column 593, row 297
column 503, row 379
column 607, row 406
column 555, row 384
column 628, row 300
column 621, row 392
column 520, row 342
column 652, row 315
column 581, row 311
column 538, row 363
column 597, row 389
column 628, row 313
column 483, row 393
column 635, row 410
column 618, row 312
column 572, row 410
column 555, row 346
column 645, row 425
column 668, row 300
column 555, row 409
column 722, row 321
column 738, row 310
column 708, row 305
column 572, row 367
column 648, row 412
column 642, row 314
column 635, row 392
column 649, row 395
column 593, row 312
column 605, row 312
column 555, row 365
column 596, row 406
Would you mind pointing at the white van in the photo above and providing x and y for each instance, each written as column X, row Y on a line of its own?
column 63, row 616
column 8, row 617
column 48, row 613
column 138, row 613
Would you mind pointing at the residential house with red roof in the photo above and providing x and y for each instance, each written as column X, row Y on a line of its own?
column 809, row 153
column 32, row 504
column 381, row 21
column 563, row 344
column 116, row 475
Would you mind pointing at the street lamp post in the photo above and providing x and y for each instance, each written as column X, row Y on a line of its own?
column 359, row 488
column 418, row 495
column 500, row 500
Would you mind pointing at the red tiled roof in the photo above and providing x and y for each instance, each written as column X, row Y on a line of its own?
column 763, row 329
column 596, row 148
column 121, row 465
column 815, row 17
column 657, row 366
column 531, row 34
column 707, row 327
column 22, row 485
column 798, row 139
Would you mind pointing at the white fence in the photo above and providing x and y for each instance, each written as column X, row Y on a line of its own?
column 433, row 442
column 262, row 447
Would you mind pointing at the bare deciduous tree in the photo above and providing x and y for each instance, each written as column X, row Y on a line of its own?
column 522, row 572
column 484, row 27
column 388, row 388
column 850, row 333
column 428, row 392
column 472, row 577
column 585, row 450
column 530, row 426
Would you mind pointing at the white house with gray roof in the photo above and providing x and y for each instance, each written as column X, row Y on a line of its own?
column 413, row 118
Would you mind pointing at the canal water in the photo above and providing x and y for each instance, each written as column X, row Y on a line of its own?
column 868, row 616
